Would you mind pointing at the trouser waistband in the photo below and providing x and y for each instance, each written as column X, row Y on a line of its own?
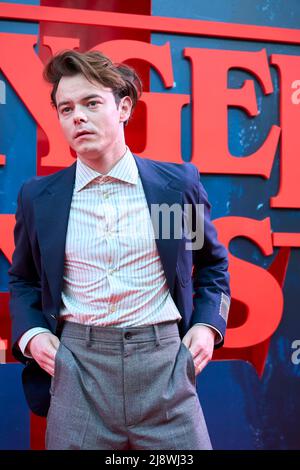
column 116, row 334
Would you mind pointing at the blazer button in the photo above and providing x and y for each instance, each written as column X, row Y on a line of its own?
column 128, row 335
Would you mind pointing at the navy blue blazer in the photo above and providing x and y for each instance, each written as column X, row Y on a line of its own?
column 198, row 279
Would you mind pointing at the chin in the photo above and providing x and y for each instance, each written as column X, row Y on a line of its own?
column 86, row 150
column 89, row 154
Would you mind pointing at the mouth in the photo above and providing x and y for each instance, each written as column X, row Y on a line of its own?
column 81, row 134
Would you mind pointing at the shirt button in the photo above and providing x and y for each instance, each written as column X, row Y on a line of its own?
column 128, row 335
column 113, row 308
column 106, row 195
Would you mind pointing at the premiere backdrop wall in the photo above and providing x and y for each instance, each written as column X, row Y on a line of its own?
column 222, row 89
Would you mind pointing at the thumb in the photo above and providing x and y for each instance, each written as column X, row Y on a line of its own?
column 187, row 340
column 54, row 340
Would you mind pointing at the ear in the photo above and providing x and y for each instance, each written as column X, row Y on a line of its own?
column 125, row 107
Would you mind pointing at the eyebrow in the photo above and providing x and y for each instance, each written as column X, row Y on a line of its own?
column 88, row 97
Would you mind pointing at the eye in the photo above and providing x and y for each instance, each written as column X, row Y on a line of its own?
column 65, row 110
column 92, row 104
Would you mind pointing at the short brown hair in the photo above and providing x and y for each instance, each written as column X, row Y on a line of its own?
column 96, row 67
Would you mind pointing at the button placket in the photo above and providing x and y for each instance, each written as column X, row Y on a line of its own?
column 112, row 308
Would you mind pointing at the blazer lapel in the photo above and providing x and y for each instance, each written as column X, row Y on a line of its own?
column 52, row 208
column 161, row 189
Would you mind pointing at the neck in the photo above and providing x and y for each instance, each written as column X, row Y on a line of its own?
column 104, row 163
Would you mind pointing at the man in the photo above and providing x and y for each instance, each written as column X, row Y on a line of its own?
column 99, row 305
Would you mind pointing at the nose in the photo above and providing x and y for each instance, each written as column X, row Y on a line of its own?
column 79, row 116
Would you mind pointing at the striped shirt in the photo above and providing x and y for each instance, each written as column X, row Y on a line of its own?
column 113, row 275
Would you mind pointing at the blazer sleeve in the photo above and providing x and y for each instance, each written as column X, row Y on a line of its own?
column 24, row 284
column 211, row 300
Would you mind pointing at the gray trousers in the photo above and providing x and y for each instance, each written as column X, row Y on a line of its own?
column 124, row 388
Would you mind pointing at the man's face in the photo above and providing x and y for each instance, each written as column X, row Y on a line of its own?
column 90, row 118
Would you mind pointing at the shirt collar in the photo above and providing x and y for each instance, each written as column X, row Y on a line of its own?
column 124, row 170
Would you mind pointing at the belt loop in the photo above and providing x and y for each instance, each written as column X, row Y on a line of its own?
column 157, row 338
column 88, row 336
